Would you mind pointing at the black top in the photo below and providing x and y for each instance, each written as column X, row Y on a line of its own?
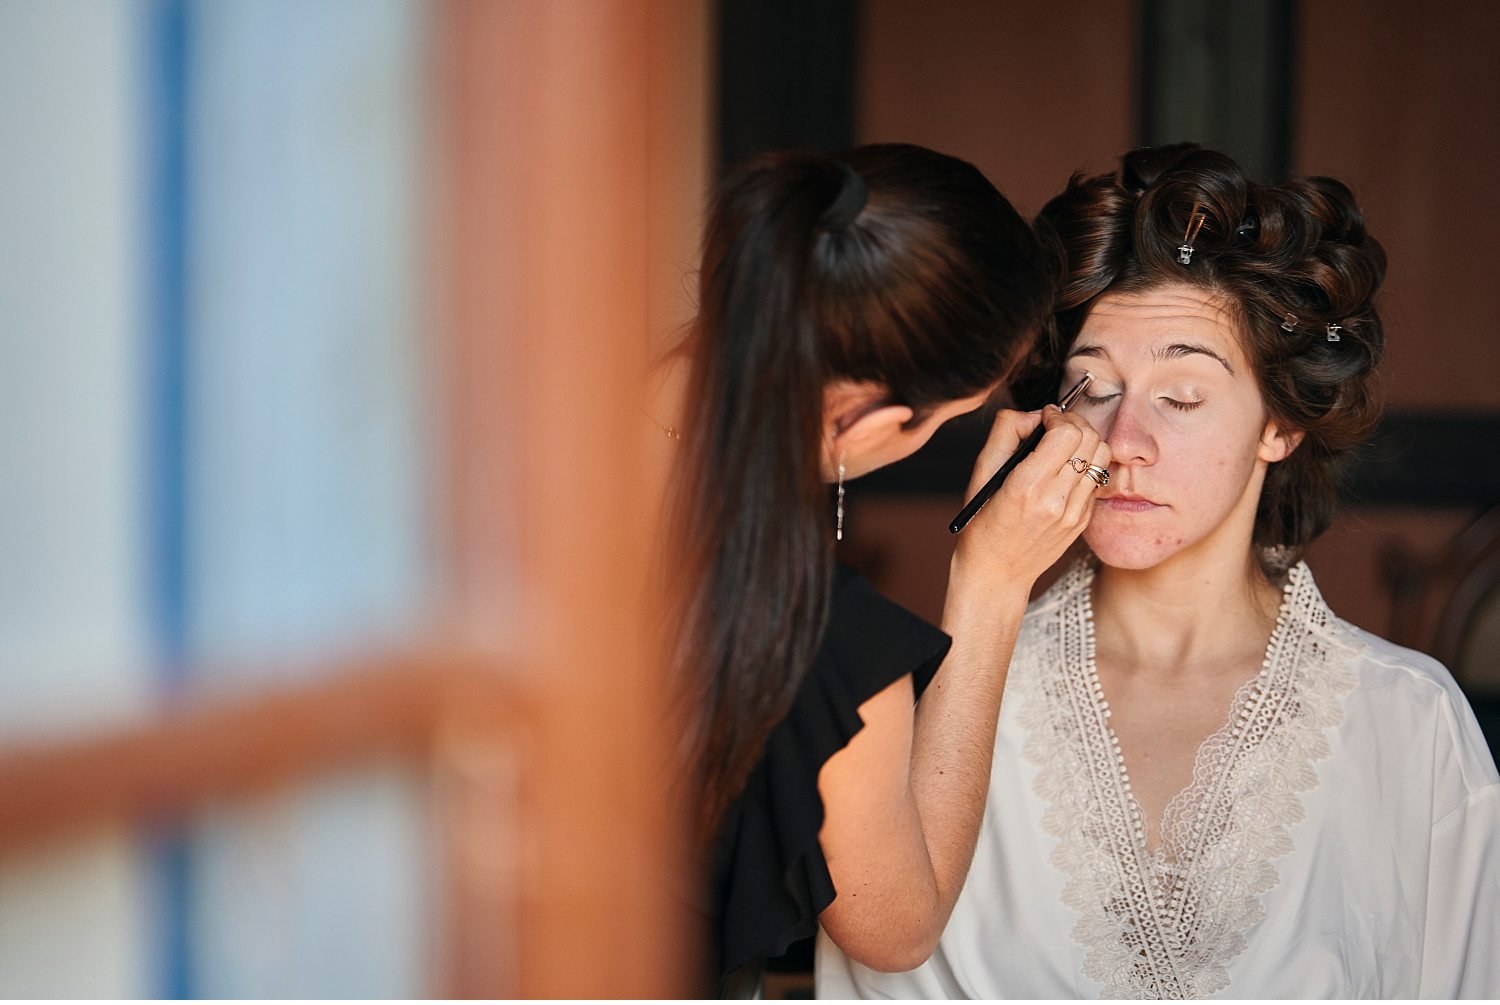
column 770, row 878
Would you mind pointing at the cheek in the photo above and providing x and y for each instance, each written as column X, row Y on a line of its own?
column 1207, row 472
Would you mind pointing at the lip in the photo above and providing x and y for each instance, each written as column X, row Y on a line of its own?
column 1126, row 503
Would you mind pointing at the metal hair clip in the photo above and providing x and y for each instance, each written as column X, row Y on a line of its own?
column 1333, row 332
column 1185, row 249
column 850, row 201
column 1289, row 323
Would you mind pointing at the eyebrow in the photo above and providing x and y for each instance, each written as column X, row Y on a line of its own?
column 1177, row 350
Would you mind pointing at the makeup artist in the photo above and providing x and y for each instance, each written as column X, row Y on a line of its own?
column 848, row 307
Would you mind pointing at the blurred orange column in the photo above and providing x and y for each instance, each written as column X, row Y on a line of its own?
column 571, row 180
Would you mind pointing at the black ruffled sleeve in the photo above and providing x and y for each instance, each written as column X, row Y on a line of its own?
column 770, row 875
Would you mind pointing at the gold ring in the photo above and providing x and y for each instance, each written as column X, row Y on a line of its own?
column 1078, row 464
column 1099, row 475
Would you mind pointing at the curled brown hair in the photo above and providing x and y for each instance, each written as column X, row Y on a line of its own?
column 1286, row 260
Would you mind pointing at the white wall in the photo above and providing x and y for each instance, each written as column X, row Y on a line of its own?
column 72, row 633
column 306, row 469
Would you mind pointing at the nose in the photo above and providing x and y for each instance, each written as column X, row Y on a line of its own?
column 1127, row 430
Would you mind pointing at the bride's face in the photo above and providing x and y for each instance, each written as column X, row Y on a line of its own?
column 1174, row 395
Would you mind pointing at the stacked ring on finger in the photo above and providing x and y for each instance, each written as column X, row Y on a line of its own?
column 1099, row 476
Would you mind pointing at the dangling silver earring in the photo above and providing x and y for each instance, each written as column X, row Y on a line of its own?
column 838, row 525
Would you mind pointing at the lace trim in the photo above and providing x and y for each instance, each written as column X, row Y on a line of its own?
column 1165, row 924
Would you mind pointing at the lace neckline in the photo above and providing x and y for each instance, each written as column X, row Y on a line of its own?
column 1181, row 825
column 1166, row 922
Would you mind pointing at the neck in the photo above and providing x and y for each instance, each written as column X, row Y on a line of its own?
column 1191, row 612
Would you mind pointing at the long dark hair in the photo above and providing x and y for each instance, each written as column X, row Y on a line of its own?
column 1287, row 260
column 890, row 263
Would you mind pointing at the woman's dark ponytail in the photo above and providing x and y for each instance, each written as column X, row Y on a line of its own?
column 753, row 514
column 892, row 265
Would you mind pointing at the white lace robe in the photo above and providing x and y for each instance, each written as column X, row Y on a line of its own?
column 1341, row 837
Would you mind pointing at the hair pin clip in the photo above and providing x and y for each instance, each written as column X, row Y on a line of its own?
column 1333, row 333
column 1289, row 323
column 1185, row 249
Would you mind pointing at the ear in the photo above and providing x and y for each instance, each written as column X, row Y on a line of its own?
column 1277, row 443
column 873, row 428
column 859, row 424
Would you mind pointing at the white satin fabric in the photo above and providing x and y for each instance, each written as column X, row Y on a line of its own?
column 1341, row 839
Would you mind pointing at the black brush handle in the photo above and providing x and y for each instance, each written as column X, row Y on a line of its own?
column 996, row 480
column 1022, row 452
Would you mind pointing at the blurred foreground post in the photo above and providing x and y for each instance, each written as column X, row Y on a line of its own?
column 569, row 173
column 574, row 158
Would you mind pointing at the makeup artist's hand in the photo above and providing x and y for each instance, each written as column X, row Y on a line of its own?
column 1040, row 510
column 904, row 800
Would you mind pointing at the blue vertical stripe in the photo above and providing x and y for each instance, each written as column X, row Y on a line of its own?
column 167, row 254
column 167, row 234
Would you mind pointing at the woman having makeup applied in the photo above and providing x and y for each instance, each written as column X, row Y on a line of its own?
column 847, row 308
column 1204, row 781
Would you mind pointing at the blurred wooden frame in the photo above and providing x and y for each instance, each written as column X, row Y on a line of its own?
column 570, row 167
column 459, row 719
column 219, row 750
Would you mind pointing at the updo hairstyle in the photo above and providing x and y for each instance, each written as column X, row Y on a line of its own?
column 1293, row 266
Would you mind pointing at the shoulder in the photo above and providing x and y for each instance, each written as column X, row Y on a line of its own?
column 872, row 641
column 1379, row 665
column 1382, row 665
column 1414, row 693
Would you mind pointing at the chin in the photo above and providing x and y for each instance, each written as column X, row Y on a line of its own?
column 1130, row 551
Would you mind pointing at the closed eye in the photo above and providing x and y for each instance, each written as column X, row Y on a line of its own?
column 1091, row 399
column 1183, row 406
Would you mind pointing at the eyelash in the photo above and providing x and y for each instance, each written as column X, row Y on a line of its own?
column 1181, row 406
